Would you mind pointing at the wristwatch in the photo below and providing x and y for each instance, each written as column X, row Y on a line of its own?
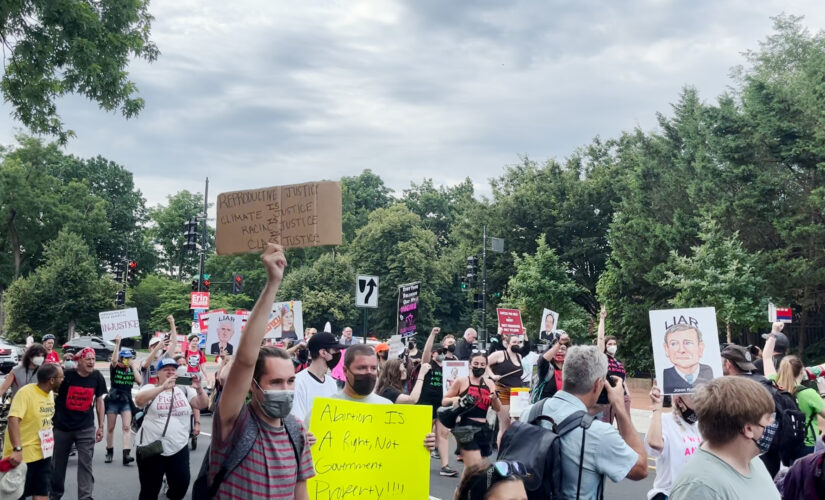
column 17, row 448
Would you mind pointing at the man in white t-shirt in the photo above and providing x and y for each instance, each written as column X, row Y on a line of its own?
column 325, row 352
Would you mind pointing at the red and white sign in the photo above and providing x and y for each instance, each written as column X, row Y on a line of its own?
column 509, row 320
column 203, row 318
column 199, row 300
column 782, row 314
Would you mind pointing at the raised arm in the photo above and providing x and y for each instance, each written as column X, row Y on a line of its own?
column 550, row 353
column 416, row 390
column 151, row 357
column 600, row 331
column 116, row 352
column 243, row 364
column 172, row 348
column 767, row 356
column 654, row 432
column 426, row 354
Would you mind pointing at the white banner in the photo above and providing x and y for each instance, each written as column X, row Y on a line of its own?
column 123, row 322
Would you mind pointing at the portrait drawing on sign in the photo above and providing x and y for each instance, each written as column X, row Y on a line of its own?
column 684, row 347
column 225, row 331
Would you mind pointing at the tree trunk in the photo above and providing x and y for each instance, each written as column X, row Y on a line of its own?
column 2, row 313
column 727, row 331
column 72, row 326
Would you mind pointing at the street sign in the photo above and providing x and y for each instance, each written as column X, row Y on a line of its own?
column 497, row 245
column 199, row 300
column 366, row 291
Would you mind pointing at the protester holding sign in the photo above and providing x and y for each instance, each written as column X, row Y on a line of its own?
column 123, row 374
column 548, row 379
column 733, row 413
column 475, row 395
column 671, row 439
column 29, row 435
column 506, row 370
column 262, row 430
column 609, row 345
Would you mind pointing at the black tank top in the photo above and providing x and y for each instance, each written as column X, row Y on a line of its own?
column 482, row 396
column 508, row 366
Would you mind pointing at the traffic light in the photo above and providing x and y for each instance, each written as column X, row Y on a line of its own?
column 464, row 286
column 237, row 284
column 206, row 284
column 119, row 275
column 120, row 298
column 478, row 301
column 195, row 284
column 132, row 270
column 191, row 235
column 472, row 269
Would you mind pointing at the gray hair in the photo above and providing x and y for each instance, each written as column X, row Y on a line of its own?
column 583, row 365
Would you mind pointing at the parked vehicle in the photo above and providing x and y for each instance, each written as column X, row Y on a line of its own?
column 10, row 355
column 103, row 348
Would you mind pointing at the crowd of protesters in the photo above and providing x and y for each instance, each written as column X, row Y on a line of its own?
column 724, row 441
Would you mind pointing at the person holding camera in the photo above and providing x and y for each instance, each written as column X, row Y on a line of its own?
column 474, row 395
column 162, row 447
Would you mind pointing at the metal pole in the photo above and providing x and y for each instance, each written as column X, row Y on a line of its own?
column 203, row 233
column 484, row 285
column 365, row 325
column 125, row 265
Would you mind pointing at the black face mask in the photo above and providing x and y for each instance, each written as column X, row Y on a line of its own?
column 478, row 372
column 690, row 416
column 332, row 363
column 451, row 348
column 363, row 383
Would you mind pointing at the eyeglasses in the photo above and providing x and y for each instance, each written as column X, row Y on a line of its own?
column 479, row 351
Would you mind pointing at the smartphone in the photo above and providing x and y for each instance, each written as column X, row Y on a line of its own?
column 183, row 381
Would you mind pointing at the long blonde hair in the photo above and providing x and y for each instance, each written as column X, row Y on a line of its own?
column 789, row 370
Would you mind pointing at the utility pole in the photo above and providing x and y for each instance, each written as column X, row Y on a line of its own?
column 203, row 234
column 484, row 286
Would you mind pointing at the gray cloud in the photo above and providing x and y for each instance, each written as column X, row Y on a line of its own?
column 256, row 93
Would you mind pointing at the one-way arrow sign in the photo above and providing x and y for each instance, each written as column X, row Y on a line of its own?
column 366, row 291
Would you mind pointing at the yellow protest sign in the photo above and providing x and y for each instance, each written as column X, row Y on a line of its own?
column 367, row 451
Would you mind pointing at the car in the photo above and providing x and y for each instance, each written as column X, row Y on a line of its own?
column 103, row 348
column 10, row 355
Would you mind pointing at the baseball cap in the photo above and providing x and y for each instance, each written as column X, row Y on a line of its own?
column 739, row 356
column 382, row 347
column 153, row 341
column 323, row 340
column 164, row 362
column 48, row 336
column 782, row 342
column 125, row 353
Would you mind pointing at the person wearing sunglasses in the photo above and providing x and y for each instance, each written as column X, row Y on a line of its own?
column 472, row 433
column 733, row 413
column 497, row 481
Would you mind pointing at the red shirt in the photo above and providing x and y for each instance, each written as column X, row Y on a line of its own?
column 53, row 358
column 194, row 360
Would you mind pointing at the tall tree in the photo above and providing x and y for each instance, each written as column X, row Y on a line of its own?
column 59, row 48
column 360, row 196
column 167, row 232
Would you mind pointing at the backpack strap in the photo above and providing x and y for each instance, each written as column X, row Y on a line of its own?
column 536, row 414
column 574, row 421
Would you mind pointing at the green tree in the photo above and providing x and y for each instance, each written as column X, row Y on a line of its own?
column 542, row 281
column 59, row 48
column 722, row 274
column 63, row 295
column 395, row 247
column 359, row 197
column 167, row 232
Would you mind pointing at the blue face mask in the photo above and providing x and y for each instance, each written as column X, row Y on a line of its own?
column 764, row 441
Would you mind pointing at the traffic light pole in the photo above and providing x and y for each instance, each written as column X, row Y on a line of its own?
column 125, row 273
column 484, row 286
column 203, row 234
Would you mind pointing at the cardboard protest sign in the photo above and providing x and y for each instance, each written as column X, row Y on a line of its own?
column 365, row 451
column 509, row 320
column 203, row 318
column 407, row 309
column 224, row 333
column 286, row 321
column 549, row 325
column 123, row 322
column 396, row 347
column 453, row 370
column 298, row 215
column 685, row 348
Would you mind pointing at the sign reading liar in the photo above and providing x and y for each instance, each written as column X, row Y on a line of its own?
column 199, row 300
column 366, row 451
column 509, row 320
column 123, row 322
column 299, row 215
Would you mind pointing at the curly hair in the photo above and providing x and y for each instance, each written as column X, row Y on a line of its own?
column 390, row 376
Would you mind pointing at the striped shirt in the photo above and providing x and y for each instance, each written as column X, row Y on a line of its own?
column 269, row 471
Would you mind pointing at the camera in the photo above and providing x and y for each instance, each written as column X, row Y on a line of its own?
column 466, row 401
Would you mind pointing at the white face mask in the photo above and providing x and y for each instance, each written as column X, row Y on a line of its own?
column 38, row 360
column 611, row 349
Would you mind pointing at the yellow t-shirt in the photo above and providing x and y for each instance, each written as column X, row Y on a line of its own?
column 35, row 410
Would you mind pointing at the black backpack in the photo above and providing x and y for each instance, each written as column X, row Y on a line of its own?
column 203, row 489
column 790, row 429
column 539, row 449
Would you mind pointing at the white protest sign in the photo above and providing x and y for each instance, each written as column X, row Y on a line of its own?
column 549, row 325
column 452, row 371
column 685, row 348
column 123, row 322
column 223, row 333
column 396, row 347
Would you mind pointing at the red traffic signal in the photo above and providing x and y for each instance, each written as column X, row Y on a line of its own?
column 132, row 268
column 132, row 264
column 206, row 284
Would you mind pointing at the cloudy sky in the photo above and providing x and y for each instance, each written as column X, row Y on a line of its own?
column 255, row 93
